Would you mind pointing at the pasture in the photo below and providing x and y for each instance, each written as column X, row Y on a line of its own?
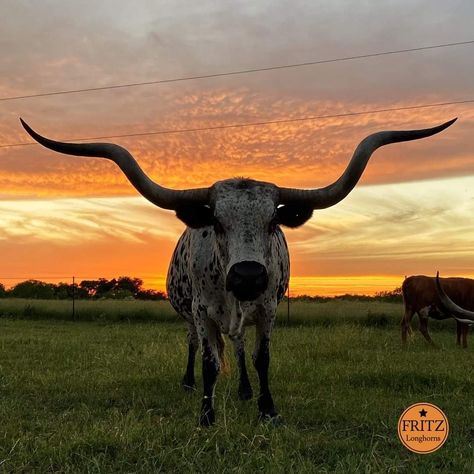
column 102, row 394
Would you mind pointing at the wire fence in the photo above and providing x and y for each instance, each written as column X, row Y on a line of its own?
column 74, row 288
column 254, row 70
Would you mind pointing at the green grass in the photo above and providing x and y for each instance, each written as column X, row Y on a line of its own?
column 335, row 312
column 105, row 397
column 87, row 310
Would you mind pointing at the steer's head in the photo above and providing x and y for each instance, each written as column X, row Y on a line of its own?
column 243, row 212
column 450, row 307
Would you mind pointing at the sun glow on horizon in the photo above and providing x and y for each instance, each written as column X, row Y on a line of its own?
column 364, row 245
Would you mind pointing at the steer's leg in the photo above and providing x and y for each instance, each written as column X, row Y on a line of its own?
column 189, row 382
column 424, row 328
column 465, row 330
column 261, row 360
column 208, row 334
column 458, row 332
column 245, row 389
column 406, row 320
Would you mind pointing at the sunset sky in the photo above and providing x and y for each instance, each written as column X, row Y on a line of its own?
column 412, row 212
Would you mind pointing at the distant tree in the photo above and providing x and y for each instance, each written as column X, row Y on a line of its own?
column 393, row 296
column 65, row 291
column 150, row 295
column 89, row 287
column 125, row 283
column 105, row 288
column 34, row 289
column 98, row 288
column 79, row 293
column 122, row 288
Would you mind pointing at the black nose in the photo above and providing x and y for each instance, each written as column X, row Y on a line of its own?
column 247, row 280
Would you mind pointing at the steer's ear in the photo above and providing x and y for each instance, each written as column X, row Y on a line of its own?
column 293, row 216
column 195, row 215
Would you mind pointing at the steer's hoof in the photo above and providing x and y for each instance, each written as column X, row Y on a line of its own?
column 207, row 418
column 274, row 420
column 245, row 393
column 188, row 385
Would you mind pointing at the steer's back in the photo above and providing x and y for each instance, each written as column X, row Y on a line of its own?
column 419, row 291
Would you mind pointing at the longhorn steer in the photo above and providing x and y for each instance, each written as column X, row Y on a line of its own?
column 231, row 265
column 420, row 296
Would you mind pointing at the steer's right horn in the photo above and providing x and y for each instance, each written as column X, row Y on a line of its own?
column 158, row 195
column 460, row 314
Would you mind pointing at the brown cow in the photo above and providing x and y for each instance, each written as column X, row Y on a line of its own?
column 420, row 296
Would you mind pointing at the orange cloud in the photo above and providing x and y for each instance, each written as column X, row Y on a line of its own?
column 303, row 154
column 367, row 243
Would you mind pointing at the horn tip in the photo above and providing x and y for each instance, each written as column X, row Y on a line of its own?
column 30, row 131
column 25, row 125
column 450, row 122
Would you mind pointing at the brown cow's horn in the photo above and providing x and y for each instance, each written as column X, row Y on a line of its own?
column 158, row 195
column 460, row 314
column 337, row 191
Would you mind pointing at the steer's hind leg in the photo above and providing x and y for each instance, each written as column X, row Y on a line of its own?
column 458, row 332
column 245, row 389
column 189, row 382
column 405, row 324
column 261, row 359
column 465, row 330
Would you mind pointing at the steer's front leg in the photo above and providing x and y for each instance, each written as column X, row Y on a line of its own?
column 261, row 360
column 245, row 389
column 208, row 334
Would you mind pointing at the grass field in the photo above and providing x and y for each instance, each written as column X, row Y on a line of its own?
column 96, row 395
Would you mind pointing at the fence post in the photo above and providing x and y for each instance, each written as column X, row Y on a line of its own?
column 288, row 307
column 73, row 298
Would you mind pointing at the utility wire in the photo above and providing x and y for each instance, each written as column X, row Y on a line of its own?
column 253, row 124
column 238, row 72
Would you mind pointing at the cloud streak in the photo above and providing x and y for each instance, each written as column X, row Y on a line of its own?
column 385, row 230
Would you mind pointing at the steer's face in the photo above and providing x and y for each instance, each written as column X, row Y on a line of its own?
column 244, row 223
column 245, row 216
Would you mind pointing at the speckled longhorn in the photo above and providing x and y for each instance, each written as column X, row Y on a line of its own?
column 231, row 265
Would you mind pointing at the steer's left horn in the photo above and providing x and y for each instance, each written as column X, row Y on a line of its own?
column 448, row 306
column 158, row 195
column 337, row 191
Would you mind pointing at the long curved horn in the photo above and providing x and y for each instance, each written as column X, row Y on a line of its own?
column 158, row 195
column 460, row 314
column 337, row 191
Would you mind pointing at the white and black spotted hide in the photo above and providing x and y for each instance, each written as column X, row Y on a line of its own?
column 245, row 228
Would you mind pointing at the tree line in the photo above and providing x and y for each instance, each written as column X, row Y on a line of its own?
column 126, row 287
column 123, row 287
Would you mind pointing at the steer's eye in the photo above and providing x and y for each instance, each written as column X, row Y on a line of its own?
column 218, row 229
column 272, row 226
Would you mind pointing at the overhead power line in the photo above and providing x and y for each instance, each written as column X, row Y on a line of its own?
column 254, row 124
column 238, row 72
